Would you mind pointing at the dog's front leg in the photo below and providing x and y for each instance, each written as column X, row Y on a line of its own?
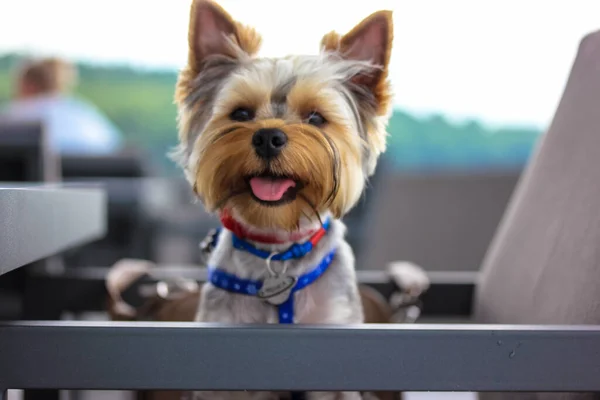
column 240, row 395
column 333, row 396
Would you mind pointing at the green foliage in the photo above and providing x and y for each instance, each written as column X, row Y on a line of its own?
column 433, row 143
column 140, row 103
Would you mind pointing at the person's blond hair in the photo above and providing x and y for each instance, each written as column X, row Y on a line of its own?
column 48, row 75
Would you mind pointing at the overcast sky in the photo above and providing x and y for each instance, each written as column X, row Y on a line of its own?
column 500, row 61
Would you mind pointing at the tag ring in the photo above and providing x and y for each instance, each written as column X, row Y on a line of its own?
column 270, row 268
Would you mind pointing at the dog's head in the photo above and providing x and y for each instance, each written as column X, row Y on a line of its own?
column 281, row 139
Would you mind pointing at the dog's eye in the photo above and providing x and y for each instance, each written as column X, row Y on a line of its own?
column 316, row 119
column 242, row 114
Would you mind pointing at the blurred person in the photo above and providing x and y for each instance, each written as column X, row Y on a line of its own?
column 43, row 93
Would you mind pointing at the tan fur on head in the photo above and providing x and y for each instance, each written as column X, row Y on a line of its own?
column 346, row 83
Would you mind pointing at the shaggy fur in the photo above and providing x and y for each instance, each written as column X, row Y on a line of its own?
column 345, row 83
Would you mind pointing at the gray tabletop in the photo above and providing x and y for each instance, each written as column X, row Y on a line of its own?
column 39, row 221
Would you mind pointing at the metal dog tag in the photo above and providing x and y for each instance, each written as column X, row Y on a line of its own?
column 277, row 289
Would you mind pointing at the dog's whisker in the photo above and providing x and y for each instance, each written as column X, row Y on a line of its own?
column 312, row 206
column 220, row 135
column 305, row 214
column 224, row 201
column 335, row 172
column 332, row 148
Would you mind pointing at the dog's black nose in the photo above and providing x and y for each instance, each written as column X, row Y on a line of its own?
column 268, row 142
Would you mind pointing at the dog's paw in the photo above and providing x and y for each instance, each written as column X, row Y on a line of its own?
column 333, row 396
column 409, row 277
column 382, row 396
column 122, row 274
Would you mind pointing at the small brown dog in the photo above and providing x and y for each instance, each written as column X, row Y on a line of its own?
column 281, row 149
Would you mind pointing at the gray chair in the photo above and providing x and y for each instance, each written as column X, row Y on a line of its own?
column 25, row 154
column 543, row 266
column 130, row 230
column 441, row 221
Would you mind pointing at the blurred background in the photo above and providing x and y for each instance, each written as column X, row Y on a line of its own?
column 476, row 85
column 86, row 96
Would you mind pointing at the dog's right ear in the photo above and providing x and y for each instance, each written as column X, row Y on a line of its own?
column 212, row 32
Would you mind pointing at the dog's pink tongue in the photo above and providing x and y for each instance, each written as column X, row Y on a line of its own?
column 268, row 189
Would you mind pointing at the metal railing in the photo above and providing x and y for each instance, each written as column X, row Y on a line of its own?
column 189, row 356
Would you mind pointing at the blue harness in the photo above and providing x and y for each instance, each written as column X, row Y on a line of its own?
column 231, row 283
column 277, row 290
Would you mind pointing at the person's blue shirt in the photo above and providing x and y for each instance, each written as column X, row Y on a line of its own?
column 72, row 126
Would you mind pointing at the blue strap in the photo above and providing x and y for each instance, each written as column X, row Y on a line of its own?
column 297, row 250
column 231, row 283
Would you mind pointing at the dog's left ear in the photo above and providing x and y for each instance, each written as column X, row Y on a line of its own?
column 369, row 41
column 212, row 32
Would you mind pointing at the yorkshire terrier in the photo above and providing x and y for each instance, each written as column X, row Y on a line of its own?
column 280, row 149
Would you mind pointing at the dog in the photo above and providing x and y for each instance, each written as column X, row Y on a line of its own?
column 281, row 150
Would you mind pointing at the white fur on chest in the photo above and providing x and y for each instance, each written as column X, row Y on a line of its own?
column 332, row 299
